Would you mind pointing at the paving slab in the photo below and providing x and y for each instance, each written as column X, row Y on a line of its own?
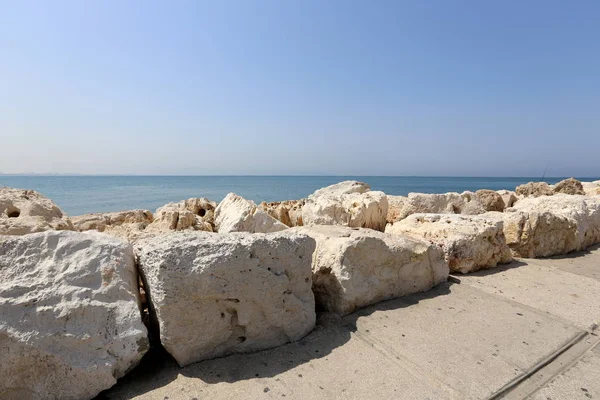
column 331, row 363
column 465, row 338
column 453, row 342
column 548, row 288
column 584, row 263
column 582, row 381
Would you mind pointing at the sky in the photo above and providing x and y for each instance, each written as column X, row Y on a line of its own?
column 423, row 87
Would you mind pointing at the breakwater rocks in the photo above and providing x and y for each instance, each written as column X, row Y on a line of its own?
column 78, row 295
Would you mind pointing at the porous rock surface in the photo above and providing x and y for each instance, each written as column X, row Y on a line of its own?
column 508, row 197
column 354, row 267
column 551, row 225
column 127, row 225
column 195, row 214
column 236, row 214
column 467, row 203
column 70, row 322
column 534, row 189
column 569, row 186
column 213, row 295
column 27, row 211
column 396, row 207
column 287, row 212
column 591, row 188
column 490, row 200
column 469, row 243
column 348, row 203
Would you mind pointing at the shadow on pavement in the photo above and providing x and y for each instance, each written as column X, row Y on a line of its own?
column 491, row 271
column 574, row 254
column 158, row 368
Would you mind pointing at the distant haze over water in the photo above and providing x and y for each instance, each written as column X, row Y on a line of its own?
column 87, row 194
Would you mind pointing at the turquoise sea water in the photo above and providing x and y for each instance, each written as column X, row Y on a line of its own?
column 86, row 194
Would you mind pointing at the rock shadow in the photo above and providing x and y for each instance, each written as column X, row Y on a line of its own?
column 443, row 289
column 574, row 254
column 491, row 271
column 158, row 368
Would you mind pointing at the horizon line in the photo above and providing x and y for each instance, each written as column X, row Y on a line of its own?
column 49, row 174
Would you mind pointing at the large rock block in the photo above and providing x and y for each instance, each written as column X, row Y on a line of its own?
column 70, row 321
column 214, row 295
column 534, row 189
column 236, row 214
column 354, row 267
column 342, row 188
column 490, row 200
column 508, row 197
column 469, row 243
column 195, row 214
column 27, row 211
column 348, row 203
column 467, row 203
column 547, row 226
column 591, row 188
column 126, row 225
column 397, row 206
column 569, row 186
column 287, row 212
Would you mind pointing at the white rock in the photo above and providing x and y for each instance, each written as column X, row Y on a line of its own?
column 472, row 204
column 342, row 188
column 354, row 267
column 535, row 189
column 70, row 321
column 397, row 206
column 219, row 294
column 236, row 214
column 27, row 211
column 551, row 225
column 196, row 214
column 445, row 203
column 591, row 188
column 126, row 225
column 287, row 212
column 347, row 203
column 508, row 196
column 569, row 186
column 469, row 243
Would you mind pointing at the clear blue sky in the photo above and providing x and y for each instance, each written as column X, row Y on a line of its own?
column 472, row 88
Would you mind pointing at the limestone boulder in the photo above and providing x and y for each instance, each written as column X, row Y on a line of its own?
column 27, row 211
column 591, row 188
column 397, row 206
column 236, row 214
column 343, row 188
column 490, row 200
column 547, row 226
column 569, row 186
column 534, row 189
column 472, row 204
column 348, row 203
column 70, row 322
column 287, row 212
column 508, row 197
column 466, row 203
column 532, row 234
column 469, row 243
column 355, row 267
column 101, row 221
column 213, row 295
column 195, row 214
column 126, row 225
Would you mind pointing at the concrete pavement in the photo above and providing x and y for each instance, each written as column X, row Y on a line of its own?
column 525, row 330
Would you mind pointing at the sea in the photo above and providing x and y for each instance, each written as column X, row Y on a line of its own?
column 78, row 195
